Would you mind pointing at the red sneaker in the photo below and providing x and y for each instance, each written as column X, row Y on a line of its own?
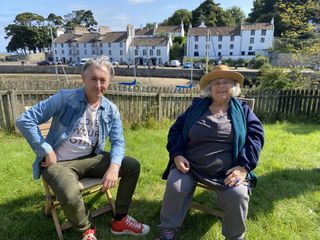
column 89, row 234
column 128, row 225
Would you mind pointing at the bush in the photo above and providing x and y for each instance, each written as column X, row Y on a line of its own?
column 259, row 61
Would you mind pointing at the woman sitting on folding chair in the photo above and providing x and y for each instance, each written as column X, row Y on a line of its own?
column 216, row 142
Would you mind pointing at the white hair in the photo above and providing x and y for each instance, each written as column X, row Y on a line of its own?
column 235, row 90
column 99, row 61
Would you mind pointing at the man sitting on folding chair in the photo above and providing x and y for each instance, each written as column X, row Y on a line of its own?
column 217, row 142
column 82, row 120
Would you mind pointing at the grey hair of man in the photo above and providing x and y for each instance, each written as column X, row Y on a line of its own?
column 99, row 61
column 235, row 90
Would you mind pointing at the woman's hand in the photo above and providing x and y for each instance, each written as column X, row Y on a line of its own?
column 110, row 178
column 182, row 164
column 236, row 176
column 50, row 159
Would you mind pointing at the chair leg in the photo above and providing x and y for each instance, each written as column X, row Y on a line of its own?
column 111, row 202
column 56, row 223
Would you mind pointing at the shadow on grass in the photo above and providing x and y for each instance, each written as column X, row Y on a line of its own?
column 282, row 184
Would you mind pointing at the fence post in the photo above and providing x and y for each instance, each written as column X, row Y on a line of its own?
column 159, row 106
column 13, row 111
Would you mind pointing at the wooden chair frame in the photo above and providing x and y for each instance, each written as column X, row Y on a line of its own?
column 206, row 209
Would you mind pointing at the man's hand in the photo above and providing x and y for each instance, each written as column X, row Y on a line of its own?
column 182, row 163
column 50, row 159
column 236, row 176
column 110, row 178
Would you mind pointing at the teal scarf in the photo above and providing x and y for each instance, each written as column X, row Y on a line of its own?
column 237, row 118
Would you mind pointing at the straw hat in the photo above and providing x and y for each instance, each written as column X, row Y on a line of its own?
column 221, row 71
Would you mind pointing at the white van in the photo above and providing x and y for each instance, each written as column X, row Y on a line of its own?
column 83, row 61
column 175, row 63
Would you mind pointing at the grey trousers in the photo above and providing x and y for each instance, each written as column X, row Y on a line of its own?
column 178, row 197
column 64, row 176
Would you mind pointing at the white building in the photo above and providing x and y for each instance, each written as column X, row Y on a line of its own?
column 141, row 45
column 245, row 41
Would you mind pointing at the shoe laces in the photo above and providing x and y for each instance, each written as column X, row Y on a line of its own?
column 89, row 235
column 131, row 222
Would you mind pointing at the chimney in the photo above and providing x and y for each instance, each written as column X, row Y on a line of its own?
column 104, row 29
column 130, row 31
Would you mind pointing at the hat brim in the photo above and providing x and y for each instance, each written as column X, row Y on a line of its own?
column 234, row 76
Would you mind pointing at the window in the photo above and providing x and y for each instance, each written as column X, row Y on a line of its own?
column 120, row 44
column 231, row 46
column 121, row 52
column 101, row 52
column 250, row 48
column 219, row 53
column 70, row 51
column 55, row 52
column 101, row 45
column 196, row 54
column 151, row 52
column 93, row 45
column 243, row 53
column 220, row 38
column 251, row 40
column 231, row 53
column 55, row 45
column 144, row 52
column 84, row 45
column 85, row 52
column 262, row 40
column 231, row 38
column 196, row 38
column 196, row 46
column 251, row 53
column 77, row 45
column 93, row 52
column 253, row 32
column 109, row 45
column 263, row 32
column 136, row 52
column 110, row 53
column 69, row 45
column 153, row 47
column 137, row 47
column 62, row 51
column 62, row 45
column 220, row 46
column 158, row 52
column 78, row 52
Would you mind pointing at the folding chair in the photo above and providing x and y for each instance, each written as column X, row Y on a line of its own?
column 203, row 208
column 87, row 185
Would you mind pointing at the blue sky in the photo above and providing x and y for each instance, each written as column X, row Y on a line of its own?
column 113, row 13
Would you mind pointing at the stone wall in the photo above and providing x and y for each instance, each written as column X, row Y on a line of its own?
column 289, row 59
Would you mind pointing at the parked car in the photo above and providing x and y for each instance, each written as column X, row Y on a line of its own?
column 187, row 65
column 83, row 61
column 198, row 65
column 115, row 63
column 44, row 62
column 175, row 63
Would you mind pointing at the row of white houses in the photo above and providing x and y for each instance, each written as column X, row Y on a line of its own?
column 143, row 45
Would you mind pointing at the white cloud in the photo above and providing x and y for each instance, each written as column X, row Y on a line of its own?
column 139, row 1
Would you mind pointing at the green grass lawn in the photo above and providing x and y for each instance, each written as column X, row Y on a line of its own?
column 284, row 205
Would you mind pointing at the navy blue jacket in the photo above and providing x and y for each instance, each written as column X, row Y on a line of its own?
column 247, row 157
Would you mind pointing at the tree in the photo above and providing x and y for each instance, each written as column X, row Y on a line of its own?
column 149, row 25
column 55, row 20
column 237, row 16
column 79, row 18
column 211, row 13
column 29, row 19
column 181, row 15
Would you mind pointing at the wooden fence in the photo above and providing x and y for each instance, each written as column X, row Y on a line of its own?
column 137, row 104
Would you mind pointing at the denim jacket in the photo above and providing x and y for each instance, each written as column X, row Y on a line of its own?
column 66, row 108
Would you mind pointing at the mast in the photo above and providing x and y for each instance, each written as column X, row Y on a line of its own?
column 207, row 51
